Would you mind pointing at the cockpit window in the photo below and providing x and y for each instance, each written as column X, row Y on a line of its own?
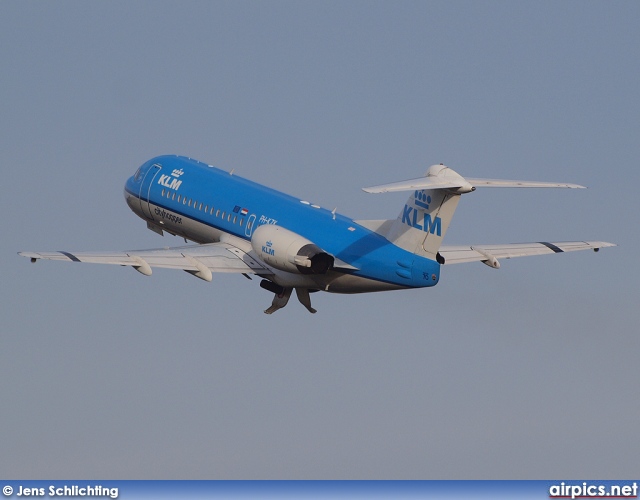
column 142, row 171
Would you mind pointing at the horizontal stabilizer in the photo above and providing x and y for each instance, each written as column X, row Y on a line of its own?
column 441, row 177
column 520, row 184
column 413, row 184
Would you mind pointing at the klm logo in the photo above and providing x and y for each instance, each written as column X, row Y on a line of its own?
column 410, row 218
column 410, row 215
column 167, row 181
column 171, row 181
column 266, row 249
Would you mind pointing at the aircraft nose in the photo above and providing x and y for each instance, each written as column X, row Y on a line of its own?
column 129, row 184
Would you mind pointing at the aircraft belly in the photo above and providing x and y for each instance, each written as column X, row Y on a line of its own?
column 349, row 283
column 333, row 281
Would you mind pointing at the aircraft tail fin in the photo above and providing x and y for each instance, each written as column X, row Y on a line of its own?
column 423, row 222
column 425, row 217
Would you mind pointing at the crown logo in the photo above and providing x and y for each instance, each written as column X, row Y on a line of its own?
column 422, row 199
column 177, row 172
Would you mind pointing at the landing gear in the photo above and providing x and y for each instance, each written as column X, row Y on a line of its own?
column 282, row 294
column 305, row 300
column 279, row 300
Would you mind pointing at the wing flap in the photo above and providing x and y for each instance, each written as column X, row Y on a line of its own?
column 477, row 253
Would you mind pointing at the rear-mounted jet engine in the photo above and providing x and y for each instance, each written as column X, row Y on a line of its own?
column 288, row 251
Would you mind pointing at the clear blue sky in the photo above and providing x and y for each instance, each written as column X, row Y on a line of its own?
column 526, row 372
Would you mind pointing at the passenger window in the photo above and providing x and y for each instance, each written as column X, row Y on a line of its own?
column 189, row 204
column 163, row 192
column 200, row 207
column 211, row 210
column 235, row 219
column 241, row 221
column 173, row 197
column 206, row 208
column 179, row 198
column 229, row 218
column 218, row 213
column 223, row 215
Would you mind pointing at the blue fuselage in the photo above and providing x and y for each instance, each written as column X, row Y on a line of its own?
column 201, row 203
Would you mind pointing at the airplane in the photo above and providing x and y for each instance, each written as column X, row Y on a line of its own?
column 243, row 227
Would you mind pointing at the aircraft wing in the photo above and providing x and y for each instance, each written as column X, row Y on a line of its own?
column 200, row 260
column 490, row 253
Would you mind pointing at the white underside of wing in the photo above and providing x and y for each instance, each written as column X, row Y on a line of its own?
column 520, row 184
column 217, row 257
column 477, row 253
column 445, row 183
column 413, row 184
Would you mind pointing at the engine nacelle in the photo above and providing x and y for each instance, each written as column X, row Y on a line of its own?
column 288, row 251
